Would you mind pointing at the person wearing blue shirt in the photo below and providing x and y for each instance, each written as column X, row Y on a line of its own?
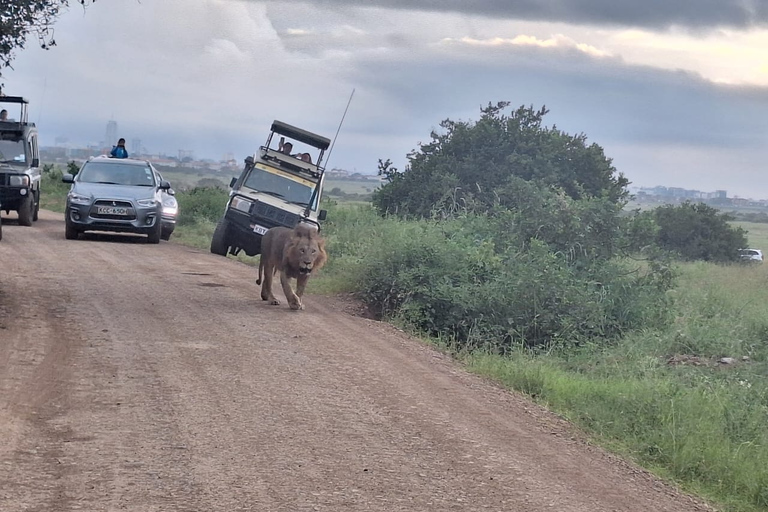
column 119, row 151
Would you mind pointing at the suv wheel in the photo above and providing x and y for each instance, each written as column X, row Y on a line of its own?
column 156, row 233
column 26, row 210
column 219, row 242
column 70, row 231
column 166, row 234
column 36, row 213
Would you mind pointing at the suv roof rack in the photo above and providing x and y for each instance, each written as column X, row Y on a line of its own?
column 314, row 140
column 18, row 100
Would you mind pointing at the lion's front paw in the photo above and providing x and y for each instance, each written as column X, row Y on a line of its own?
column 275, row 302
column 297, row 306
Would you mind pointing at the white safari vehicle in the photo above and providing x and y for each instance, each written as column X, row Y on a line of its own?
column 278, row 187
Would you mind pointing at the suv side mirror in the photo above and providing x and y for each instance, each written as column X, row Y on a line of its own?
column 322, row 214
column 165, row 185
column 35, row 162
column 232, row 182
column 68, row 178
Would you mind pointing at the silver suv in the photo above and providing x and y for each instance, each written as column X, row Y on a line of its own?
column 117, row 194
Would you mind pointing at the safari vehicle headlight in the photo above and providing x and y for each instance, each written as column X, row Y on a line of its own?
column 170, row 205
column 244, row 205
column 78, row 199
column 146, row 203
column 19, row 181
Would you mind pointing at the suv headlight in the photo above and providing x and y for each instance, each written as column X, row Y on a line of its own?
column 243, row 205
column 78, row 199
column 146, row 203
column 170, row 205
column 19, row 181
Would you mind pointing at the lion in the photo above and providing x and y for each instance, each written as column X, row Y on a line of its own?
column 295, row 253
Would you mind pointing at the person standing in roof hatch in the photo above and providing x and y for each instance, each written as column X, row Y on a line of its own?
column 119, row 151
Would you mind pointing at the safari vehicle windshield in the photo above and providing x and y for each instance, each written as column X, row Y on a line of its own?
column 117, row 174
column 12, row 152
column 292, row 190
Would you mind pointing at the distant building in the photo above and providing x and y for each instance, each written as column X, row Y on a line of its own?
column 136, row 147
column 186, row 154
column 111, row 135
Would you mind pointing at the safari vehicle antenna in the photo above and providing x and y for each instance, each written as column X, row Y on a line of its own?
column 330, row 151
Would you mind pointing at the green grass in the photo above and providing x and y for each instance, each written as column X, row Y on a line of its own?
column 757, row 234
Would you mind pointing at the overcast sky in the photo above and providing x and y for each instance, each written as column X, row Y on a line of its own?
column 675, row 92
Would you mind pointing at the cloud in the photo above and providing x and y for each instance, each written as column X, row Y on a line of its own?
column 650, row 14
column 556, row 41
column 211, row 75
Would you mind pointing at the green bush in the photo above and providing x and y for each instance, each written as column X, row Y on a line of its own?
column 471, row 164
column 201, row 203
column 696, row 231
column 460, row 279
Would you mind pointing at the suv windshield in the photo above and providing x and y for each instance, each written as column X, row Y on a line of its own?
column 296, row 191
column 12, row 152
column 117, row 174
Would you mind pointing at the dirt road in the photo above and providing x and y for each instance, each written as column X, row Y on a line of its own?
column 147, row 378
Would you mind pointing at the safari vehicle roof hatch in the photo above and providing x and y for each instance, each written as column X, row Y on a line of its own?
column 23, row 105
column 314, row 140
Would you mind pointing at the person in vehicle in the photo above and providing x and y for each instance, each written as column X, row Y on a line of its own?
column 285, row 147
column 119, row 151
column 3, row 115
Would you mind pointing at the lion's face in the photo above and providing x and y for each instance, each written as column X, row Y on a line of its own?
column 306, row 252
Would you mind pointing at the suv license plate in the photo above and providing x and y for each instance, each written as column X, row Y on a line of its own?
column 111, row 210
column 259, row 230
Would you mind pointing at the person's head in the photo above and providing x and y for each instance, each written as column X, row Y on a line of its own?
column 121, row 142
column 3, row 115
column 287, row 148
column 306, row 157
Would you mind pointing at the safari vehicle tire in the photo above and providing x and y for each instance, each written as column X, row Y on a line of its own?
column 219, row 244
column 1, row 229
column 26, row 210
column 36, row 213
column 166, row 234
column 155, row 234
column 70, row 231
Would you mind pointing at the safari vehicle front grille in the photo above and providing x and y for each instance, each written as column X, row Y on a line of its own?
column 276, row 215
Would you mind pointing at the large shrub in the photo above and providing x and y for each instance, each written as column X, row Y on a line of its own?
column 696, row 231
column 473, row 163
column 473, row 280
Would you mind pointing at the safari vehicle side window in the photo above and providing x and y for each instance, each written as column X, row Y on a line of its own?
column 33, row 145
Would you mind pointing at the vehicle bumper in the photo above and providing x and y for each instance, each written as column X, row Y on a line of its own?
column 11, row 197
column 142, row 221
column 241, row 226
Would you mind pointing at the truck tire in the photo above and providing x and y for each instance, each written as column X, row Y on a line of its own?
column 219, row 242
column 1, row 229
column 36, row 213
column 26, row 210
column 70, row 231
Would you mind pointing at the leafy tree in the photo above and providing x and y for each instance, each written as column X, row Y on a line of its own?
column 697, row 231
column 73, row 168
column 20, row 19
column 476, row 165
